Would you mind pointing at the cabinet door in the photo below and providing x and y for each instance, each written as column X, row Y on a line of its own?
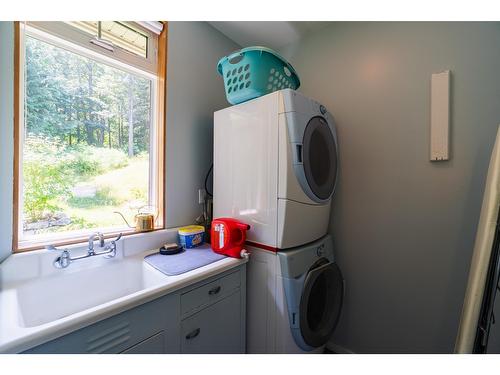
column 115, row 334
column 216, row 329
column 152, row 345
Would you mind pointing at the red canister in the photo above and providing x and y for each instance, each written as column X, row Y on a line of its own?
column 228, row 236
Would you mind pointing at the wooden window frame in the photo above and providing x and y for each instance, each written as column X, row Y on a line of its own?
column 159, row 144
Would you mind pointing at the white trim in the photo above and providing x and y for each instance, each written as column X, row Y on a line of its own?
column 152, row 147
column 90, row 51
column 22, row 127
column 155, row 27
column 482, row 253
column 70, row 37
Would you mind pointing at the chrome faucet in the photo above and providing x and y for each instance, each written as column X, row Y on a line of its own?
column 64, row 260
column 92, row 237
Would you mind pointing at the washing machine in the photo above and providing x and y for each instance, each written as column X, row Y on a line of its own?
column 294, row 298
column 275, row 168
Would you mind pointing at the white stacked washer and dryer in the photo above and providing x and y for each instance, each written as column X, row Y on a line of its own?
column 275, row 168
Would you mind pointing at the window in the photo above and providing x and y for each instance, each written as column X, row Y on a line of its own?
column 89, row 131
column 118, row 33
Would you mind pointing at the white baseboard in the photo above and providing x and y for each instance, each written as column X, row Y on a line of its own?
column 338, row 349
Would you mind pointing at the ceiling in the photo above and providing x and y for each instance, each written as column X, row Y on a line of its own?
column 273, row 34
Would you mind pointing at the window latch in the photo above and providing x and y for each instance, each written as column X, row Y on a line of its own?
column 99, row 41
column 103, row 43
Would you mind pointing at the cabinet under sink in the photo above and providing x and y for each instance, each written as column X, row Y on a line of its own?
column 215, row 329
column 207, row 317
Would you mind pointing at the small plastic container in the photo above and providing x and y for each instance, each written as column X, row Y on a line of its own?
column 255, row 71
column 191, row 236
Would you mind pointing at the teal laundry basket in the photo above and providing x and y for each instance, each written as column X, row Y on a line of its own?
column 255, row 71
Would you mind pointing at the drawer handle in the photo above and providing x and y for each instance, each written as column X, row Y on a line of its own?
column 193, row 334
column 214, row 291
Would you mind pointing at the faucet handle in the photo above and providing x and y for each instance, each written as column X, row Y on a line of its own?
column 101, row 239
column 113, row 242
column 63, row 260
column 111, row 247
column 118, row 238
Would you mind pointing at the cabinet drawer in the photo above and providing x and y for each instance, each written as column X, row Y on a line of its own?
column 209, row 293
column 215, row 329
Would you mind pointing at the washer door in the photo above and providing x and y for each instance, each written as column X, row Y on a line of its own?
column 319, row 160
column 321, row 302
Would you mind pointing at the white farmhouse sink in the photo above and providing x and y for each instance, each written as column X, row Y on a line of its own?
column 70, row 291
column 39, row 302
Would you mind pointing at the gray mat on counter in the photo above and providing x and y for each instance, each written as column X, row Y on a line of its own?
column 186, row 261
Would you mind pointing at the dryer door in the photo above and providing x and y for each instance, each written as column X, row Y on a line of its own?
column 319, row 160
column 321, row 302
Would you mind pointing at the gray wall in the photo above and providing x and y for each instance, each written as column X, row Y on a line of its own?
column 195, row 91
column 404, row 227
column 6, row 135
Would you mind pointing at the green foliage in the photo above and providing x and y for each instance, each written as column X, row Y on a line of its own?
column 41, row 188
column 103, row 197
column 79, row 223
column 43, row 176
column 76, row 223
column 139, row 194
column 51, row 168
column 84, row 164
column 85, row 161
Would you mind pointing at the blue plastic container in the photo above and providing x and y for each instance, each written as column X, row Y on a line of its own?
column 191, row 236
column 255, row 71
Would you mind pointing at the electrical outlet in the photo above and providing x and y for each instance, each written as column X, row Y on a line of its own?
column 201, row 196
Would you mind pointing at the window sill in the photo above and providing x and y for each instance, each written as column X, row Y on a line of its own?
column 133, row 243
column 79, row 239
